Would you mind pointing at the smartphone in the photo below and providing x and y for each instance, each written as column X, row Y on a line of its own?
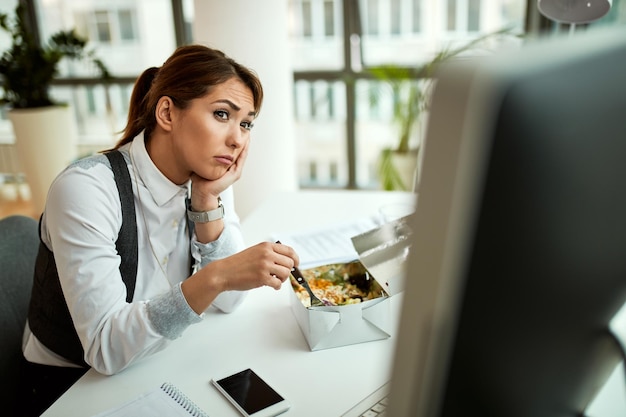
column 251, row 395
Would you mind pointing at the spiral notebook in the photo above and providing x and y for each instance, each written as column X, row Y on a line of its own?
column 167, row 400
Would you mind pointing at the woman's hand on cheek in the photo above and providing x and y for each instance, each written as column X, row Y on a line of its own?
column 234, row 171
column 203, row 189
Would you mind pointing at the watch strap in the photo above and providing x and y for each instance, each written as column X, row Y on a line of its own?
column 207, row 216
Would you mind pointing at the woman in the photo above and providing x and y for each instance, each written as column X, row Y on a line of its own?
column 118, row 301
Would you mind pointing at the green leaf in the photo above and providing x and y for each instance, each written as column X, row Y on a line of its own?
column 28, row 69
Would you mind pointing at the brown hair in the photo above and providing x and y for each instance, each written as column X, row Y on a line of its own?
column 189, row 73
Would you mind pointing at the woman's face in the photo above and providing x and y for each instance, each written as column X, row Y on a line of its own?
column 209, row 135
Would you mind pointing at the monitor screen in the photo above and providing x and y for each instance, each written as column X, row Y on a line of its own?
column 518, row 261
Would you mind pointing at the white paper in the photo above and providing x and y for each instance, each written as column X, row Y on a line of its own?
column 328, row 245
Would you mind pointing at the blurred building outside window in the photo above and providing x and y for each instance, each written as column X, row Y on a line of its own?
column 392, row 32
column 341, row 130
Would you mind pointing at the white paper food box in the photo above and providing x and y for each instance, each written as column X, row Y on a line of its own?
column 383, row 252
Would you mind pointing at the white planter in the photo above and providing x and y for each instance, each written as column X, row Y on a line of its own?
column 406, row 165
column 402, row 165
column 45, row 141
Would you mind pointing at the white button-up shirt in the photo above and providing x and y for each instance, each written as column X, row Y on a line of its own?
column 80, row 225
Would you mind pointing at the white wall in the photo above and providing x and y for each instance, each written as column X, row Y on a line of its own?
column 254, row 33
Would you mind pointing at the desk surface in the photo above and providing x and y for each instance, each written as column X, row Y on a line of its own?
column 262, row 334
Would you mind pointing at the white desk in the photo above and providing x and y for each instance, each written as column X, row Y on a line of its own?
column 261, row 334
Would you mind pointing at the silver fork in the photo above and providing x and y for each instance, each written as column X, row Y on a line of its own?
column 315, row 302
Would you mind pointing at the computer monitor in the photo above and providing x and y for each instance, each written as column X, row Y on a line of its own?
column 518, row 260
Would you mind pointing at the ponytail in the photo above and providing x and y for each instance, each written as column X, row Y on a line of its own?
column 139, row 117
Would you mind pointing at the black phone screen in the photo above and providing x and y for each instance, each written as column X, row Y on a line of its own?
column 250, row 391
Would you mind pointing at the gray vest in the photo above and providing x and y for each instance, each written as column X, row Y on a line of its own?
column 48, row 316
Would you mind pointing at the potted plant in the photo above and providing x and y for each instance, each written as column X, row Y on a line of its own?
column 45, row 132
column 409, row 87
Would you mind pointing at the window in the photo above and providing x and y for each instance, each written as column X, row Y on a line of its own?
column 473, row 16
column 372, row 17
column 108, row 26
column 345, row 118
column 451, row 15
column 342, row 125
column 416, row 16
column 102, row 26
column 307, row 20
column 127, row 25
column 395, row 17
column 316, row 32
column 464, row 15
column 329, row 18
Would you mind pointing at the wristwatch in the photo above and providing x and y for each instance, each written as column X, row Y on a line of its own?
column 206, row 216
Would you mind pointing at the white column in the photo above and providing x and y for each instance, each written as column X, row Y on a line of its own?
column 254, row 33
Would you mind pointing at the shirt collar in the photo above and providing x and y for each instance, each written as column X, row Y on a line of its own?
column 160, row 187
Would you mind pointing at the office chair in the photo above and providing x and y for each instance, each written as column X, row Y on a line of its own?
column 19, row 242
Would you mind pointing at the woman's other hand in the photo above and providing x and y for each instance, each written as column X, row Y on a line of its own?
column 264, row 264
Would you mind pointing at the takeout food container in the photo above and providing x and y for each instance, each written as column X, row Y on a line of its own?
column 362, row 286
